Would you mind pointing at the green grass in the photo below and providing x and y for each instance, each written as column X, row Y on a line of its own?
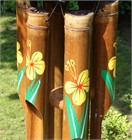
column 12, row 124
column 123, row 97
column 123, row 80
column 11, row 112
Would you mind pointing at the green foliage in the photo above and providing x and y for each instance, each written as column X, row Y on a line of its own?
column 123, row 79
column 115, row 125
column 124, row 7
column 40, row 4
column 8, row 6
column 73, row 5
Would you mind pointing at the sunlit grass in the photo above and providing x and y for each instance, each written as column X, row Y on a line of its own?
column 123, row 79
column 11, row 112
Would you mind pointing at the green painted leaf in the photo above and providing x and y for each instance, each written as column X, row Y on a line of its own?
column 33, row 91
column 109, row 83
column 83, row 120
column 77, row 129
column 19, row 78
column 32, row 83
column 72, row 119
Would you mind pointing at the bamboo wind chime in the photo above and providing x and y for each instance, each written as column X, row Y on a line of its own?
column 66, row 67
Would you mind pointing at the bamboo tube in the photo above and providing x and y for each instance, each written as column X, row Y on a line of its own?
column 76, row 74
column 56, row 60
column 34, row 70
column 23, row 3
column 21, row 15
column 104, row 64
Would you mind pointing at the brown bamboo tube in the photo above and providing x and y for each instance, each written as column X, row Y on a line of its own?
column 56, row 60
column 76, row 74
column 23, row 3
column 104, row 61
column 21, row 15
column 36, row 73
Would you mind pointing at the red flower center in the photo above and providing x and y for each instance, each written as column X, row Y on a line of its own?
column 79, row 86
column 31, row 64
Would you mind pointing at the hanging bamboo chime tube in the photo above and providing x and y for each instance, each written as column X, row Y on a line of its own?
column 104, row 64
column 76, row 74
column 55, row 63
column 57, row 59
column 21, row 15
column 34, row 72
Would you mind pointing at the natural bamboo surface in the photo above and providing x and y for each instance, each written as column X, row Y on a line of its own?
column 76, row 74
column 104, row 64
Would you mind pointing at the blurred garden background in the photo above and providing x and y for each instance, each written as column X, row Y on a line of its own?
column 117, row 123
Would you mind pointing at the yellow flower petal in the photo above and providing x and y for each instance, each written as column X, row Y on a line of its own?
column 79, row 97
column 19, row 57
column 84, row 80
column 37, row 56
column 30, row 72
column 114, row 72
column 83, row 77
column 27, row 61
column 39, row 67
column 35, row 65
column 114, row 45
column 18, row 46
column 70, row 87
column 19, row 54
column 112, row 63
column 85, row 87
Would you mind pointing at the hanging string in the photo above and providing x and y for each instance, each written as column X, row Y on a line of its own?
column 61, row 10
column 60, row 4
column 96, row 8
column 52, row 11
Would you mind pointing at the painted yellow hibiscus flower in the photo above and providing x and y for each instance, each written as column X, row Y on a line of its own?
column 19, row 54
column 112, row 65
column 80, row 86
column 35, row 64
column 114, row 45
